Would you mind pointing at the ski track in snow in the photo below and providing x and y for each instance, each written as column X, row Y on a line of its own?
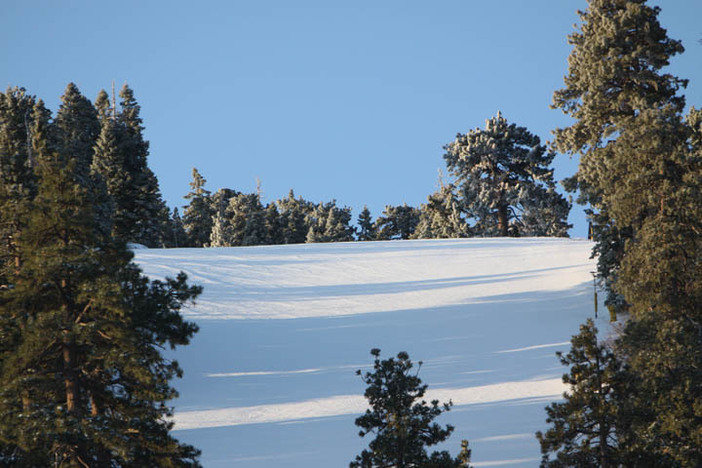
column 282, row 326
column 354, row 404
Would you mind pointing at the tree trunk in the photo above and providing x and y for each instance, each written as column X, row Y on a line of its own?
column 70, row 379
column 503, row 220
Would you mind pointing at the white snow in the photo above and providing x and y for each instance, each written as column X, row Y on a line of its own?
column 270, row 378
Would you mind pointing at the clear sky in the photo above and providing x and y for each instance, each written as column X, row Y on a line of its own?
column 345, row 100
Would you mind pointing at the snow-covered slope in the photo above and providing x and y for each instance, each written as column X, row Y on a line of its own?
column 270, row 379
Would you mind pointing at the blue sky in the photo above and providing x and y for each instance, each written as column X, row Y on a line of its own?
column 350, row 101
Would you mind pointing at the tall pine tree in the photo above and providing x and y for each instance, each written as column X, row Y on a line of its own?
column 640, row 170
column 505, row 182
column 197, row 216
column 402, row 422
column 83, row 379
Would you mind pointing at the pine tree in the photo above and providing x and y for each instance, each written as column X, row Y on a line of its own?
column 274, row 226
column 179, row 237
column 614, row 75
column 397, row 222
column 293, row 212
column 505, row 183
column 584, row 427
column 329, row 223
column 121, row 158
column 403, row 423
column 366, row 229
column 77, row 127
column 147, row 203
column 245, row 220
column 83, row 379
column 640, row 170
column 197, row 216
column 337, row 227
column 441, row 217
column 17, row 180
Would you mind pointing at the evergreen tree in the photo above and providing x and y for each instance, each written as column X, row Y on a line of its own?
column 403, row 423
column 179, row 237
column 293, row 212
column 17, row 179
column 274, row 226
column 366, row 229
column 83, row 379
column 148, row 204
column 441, row 217
column 584, row 427
column 77, row 127
column 614, row 75
column 121, row 155
column 329, row 223
column 337, row 226
column 246, row 221
column 197, row 217
column 397, row 222
column 505, row 183
column 640, row 170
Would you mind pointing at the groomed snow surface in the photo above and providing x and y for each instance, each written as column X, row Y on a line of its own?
column 270, row 378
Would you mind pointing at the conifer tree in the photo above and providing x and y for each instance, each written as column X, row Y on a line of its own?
column 179, row 237
column 640, row 170
column 505, row 183
column 337, row 227
column 441, row 217
column 274, row 226
column 329, row 223
column 17, row 179
column 83, row 379
column 403, row 423
column 197, row 217
column 245, row 220
column 584, row 426
column 397, row 222
column 293, row 212
column 366, row 229
column 614, row 75
column 121, row 158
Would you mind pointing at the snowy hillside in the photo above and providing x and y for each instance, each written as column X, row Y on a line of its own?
column 270, row 379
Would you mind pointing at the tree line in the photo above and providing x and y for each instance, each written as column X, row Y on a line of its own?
column 501, row 184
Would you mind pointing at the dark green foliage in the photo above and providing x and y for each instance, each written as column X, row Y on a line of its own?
column 397, row 222
column 19, row 114
column 641, row 170
column 664, row 377
column 274, row 226
column 245, row 222
column 403, row 423
column 76, row 128
column 121, row 155
column 293, row 213
column 197, row 217
column 614, row 80
column 83, row 379
column 505, row 183
column 584, row 427
column 178, row 236
column 366, row 229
